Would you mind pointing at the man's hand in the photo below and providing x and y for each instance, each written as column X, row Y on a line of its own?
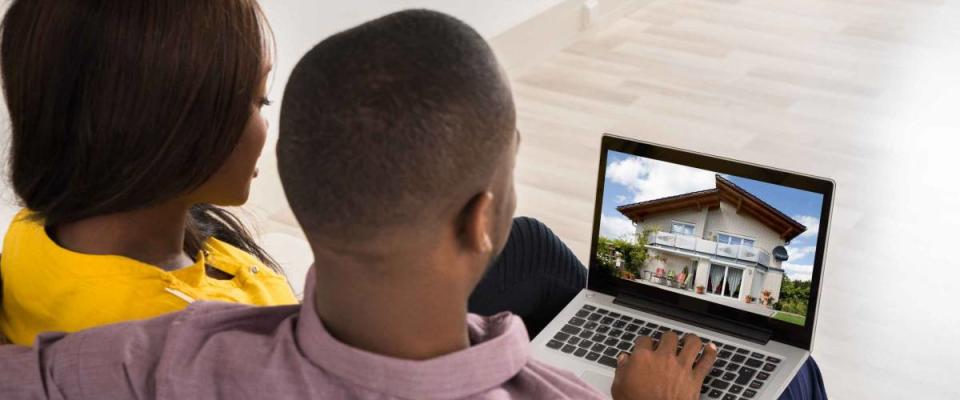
column 661, row 373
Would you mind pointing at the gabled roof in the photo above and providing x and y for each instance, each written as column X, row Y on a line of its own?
column 746, row 203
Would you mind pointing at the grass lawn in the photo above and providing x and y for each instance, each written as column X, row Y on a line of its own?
column 791, row 318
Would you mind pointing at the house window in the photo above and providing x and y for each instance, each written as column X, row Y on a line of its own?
column 734, row 240
column 725, row 281
column 683, row 228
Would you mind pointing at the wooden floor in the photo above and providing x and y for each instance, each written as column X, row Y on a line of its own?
column 866, row 92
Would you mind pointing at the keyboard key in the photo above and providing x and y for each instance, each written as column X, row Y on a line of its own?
column 562, row 336
column 724, row 355
column 608, row 361
column 632, row 328
column 756, row 385
column 614, row 315
column 769, row 367
column 732, row 367
column 594, row 317
column 743, row 351
column 652, row 325
column 704, row 389
column 729, row 376
column 577, row 321
column 585, row 344
column 593, row 356
column 643, row 332
column 602, row 311
column 719, row 384
column 574, row 340
column 626, row 318
column 625, row 346
column 619, row 324
column 582, row 313
column 729, row 396
column 719, row 345
column 580, row 352
column 736, row 389
column 746, row 374
column 603, row 329
column 568, row 348
column 585, row 334
column 754, row 363
column 611, row 341
column 599, row 338
column 591, row 325
column 749, row 393
column 553, row 344
column 663, row 328
column 716, row 372
column 589, row 307
column 720, row 363
column 738, row 358
column 715, row 394
column 606, row 321
column 628, row 337
column 773, row 360
column 763, row 376
column 598, row 347
column 611, row 352
column 615, row 333
column 657, row 335
column 729, row 347
column 756, row 355
column 570, row 329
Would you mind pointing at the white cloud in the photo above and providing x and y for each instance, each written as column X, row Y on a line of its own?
column 621, row 199
column 797, row 253
column 616, row 227
column 651, row 179
column 812, row 224
column 798, row 272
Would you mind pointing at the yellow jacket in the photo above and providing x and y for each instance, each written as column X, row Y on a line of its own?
column 49, row 288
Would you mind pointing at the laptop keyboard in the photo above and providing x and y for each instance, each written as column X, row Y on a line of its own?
column 599, row 335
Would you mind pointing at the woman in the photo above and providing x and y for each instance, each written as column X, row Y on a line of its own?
column 132, row 122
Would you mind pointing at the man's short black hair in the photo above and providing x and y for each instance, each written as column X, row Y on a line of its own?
column 387, row 122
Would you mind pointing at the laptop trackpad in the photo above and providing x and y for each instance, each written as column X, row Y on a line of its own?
column 599, row 381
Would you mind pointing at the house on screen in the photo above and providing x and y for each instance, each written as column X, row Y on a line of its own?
column 728, row 240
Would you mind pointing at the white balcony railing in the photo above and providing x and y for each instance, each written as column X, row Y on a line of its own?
column 696, row 244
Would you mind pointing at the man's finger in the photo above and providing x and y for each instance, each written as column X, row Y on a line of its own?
column 622, row 358
column 706, row 362
column 668, row 343
column 691, row 346
column 643, row 343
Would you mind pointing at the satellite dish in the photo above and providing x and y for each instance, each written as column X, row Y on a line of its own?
column 780, row 253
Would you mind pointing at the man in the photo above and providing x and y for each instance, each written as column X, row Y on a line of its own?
column 408, row 126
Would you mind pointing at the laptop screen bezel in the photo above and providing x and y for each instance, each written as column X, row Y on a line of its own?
column 784, row 332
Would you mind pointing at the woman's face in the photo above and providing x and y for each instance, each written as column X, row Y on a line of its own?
column 230, row 185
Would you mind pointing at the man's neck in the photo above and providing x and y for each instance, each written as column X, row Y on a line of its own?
column 409, row 317
column 153, row 235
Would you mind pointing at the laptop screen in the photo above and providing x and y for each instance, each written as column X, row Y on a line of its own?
column 716, row 231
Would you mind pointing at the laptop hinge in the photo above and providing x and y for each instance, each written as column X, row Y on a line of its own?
column 723, row 325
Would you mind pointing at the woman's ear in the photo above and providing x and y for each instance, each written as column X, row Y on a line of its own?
column 476, row 223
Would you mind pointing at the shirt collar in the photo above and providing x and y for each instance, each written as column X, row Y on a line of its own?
column 500, row 350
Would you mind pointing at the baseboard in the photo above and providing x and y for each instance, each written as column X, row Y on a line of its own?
column 529, row 42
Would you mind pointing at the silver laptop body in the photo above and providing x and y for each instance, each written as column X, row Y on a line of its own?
column 730, row 251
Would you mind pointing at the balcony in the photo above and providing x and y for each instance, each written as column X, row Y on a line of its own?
column 750, row 255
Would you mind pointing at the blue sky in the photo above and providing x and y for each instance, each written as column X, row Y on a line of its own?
column 631, row 179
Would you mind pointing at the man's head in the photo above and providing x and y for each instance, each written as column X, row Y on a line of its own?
column 400, row 134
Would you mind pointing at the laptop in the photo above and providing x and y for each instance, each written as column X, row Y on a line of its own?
column 730, row 251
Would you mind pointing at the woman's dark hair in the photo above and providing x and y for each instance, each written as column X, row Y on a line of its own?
column 120, row 105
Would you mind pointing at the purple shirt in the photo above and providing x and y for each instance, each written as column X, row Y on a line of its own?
column 229, row 351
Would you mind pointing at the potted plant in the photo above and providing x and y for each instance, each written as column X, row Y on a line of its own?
column 700, row 289
column 749, row 299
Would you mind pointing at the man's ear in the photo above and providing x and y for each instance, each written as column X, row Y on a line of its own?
column 476, row 223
